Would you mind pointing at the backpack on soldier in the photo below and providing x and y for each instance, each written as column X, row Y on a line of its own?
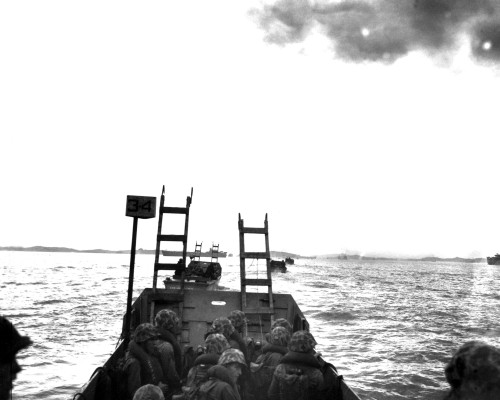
column 195, row 394
column 331, row 387
column 262, row 372
column 201, row 376
column 111, row 381
column 294, row 385
column 262, row 377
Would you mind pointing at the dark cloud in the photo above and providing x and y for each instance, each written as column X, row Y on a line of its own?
column 361, row 32
column 438, row 23
column 384, row 30
column 286, row 21
column 486, row 41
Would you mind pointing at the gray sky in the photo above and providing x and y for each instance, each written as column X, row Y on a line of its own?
column 366, row 127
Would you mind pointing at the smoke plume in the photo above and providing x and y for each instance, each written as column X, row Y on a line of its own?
column 385, row 30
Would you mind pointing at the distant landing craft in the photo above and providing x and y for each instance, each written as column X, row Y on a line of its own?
column 495, row 260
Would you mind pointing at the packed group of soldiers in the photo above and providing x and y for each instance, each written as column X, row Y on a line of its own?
column 225, row 367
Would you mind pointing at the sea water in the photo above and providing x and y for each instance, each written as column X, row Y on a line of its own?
column 389, row 327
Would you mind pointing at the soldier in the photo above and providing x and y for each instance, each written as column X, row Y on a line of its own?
column 215, row 344
column 224, row 326
column 142, row 361
column 239, row 321
column 280, row 322
column 11, row 342
column 265, row 365
column 149, row 392
column 474, row 372
column 284, row 323
column 168, row 325
column 223, row 377
column 298, row 376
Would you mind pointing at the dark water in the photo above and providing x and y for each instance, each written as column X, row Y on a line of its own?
column 389, row 327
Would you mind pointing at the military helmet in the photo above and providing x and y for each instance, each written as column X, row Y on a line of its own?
column 222, row 325
column 301, row 342
column 238, row 319
column 145, row 332
column 167, row 319
column 279, row 336
column 149, row 392
column 284, row 323
column 232, row 356
column 11, row 341
column 311, row 339
column 216, row 343
column 474, row 370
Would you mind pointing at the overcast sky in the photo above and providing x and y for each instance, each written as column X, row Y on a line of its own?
column 367, row 127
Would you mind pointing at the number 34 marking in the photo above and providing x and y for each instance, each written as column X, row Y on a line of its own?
column 141, row 207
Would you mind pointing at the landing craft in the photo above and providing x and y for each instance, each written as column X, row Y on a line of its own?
column 198, row 308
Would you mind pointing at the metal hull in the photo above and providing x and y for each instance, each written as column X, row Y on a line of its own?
column 175, row 284
column 493, row 260
column 278, row 266
column 198, row 309
column 171, row 253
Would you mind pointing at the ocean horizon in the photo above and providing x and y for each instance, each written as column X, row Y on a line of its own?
column 389, row 327
column 282, row 254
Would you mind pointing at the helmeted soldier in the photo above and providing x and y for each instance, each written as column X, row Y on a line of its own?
column 265, row 365
column 143, row 362
column 238, row 319
column 284, row 323
column 474, row 372
column 215, row 345
column 11, row 342
column 149, row 392
column 223, row 377
column 224, row 326
column 279, row 322
column 168, row 319
column 169, row 326
column 298, row 375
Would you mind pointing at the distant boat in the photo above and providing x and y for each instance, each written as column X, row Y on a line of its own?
column 278, row 265
column 495, row 260
column 289, row 260
column 170, row 253
column 198, row 275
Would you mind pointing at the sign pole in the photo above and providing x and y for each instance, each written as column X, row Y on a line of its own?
column 131, row 281
column 137, row 207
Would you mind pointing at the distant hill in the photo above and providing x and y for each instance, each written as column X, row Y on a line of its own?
column 370, row 258
column 284, row 254
column 454, row 259
column 69, row 250
column 274, row 254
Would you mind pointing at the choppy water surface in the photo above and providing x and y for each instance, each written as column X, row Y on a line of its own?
column 389, row 327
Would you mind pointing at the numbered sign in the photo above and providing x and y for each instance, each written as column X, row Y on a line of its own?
column 141, row 207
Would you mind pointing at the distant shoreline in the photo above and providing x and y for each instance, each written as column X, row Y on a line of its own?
column 69, row 250
column 274, row 254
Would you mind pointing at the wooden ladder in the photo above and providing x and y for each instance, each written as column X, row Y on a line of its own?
column 215, row 253
column 171, row 238
column 255, row 282
column 197, row 251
